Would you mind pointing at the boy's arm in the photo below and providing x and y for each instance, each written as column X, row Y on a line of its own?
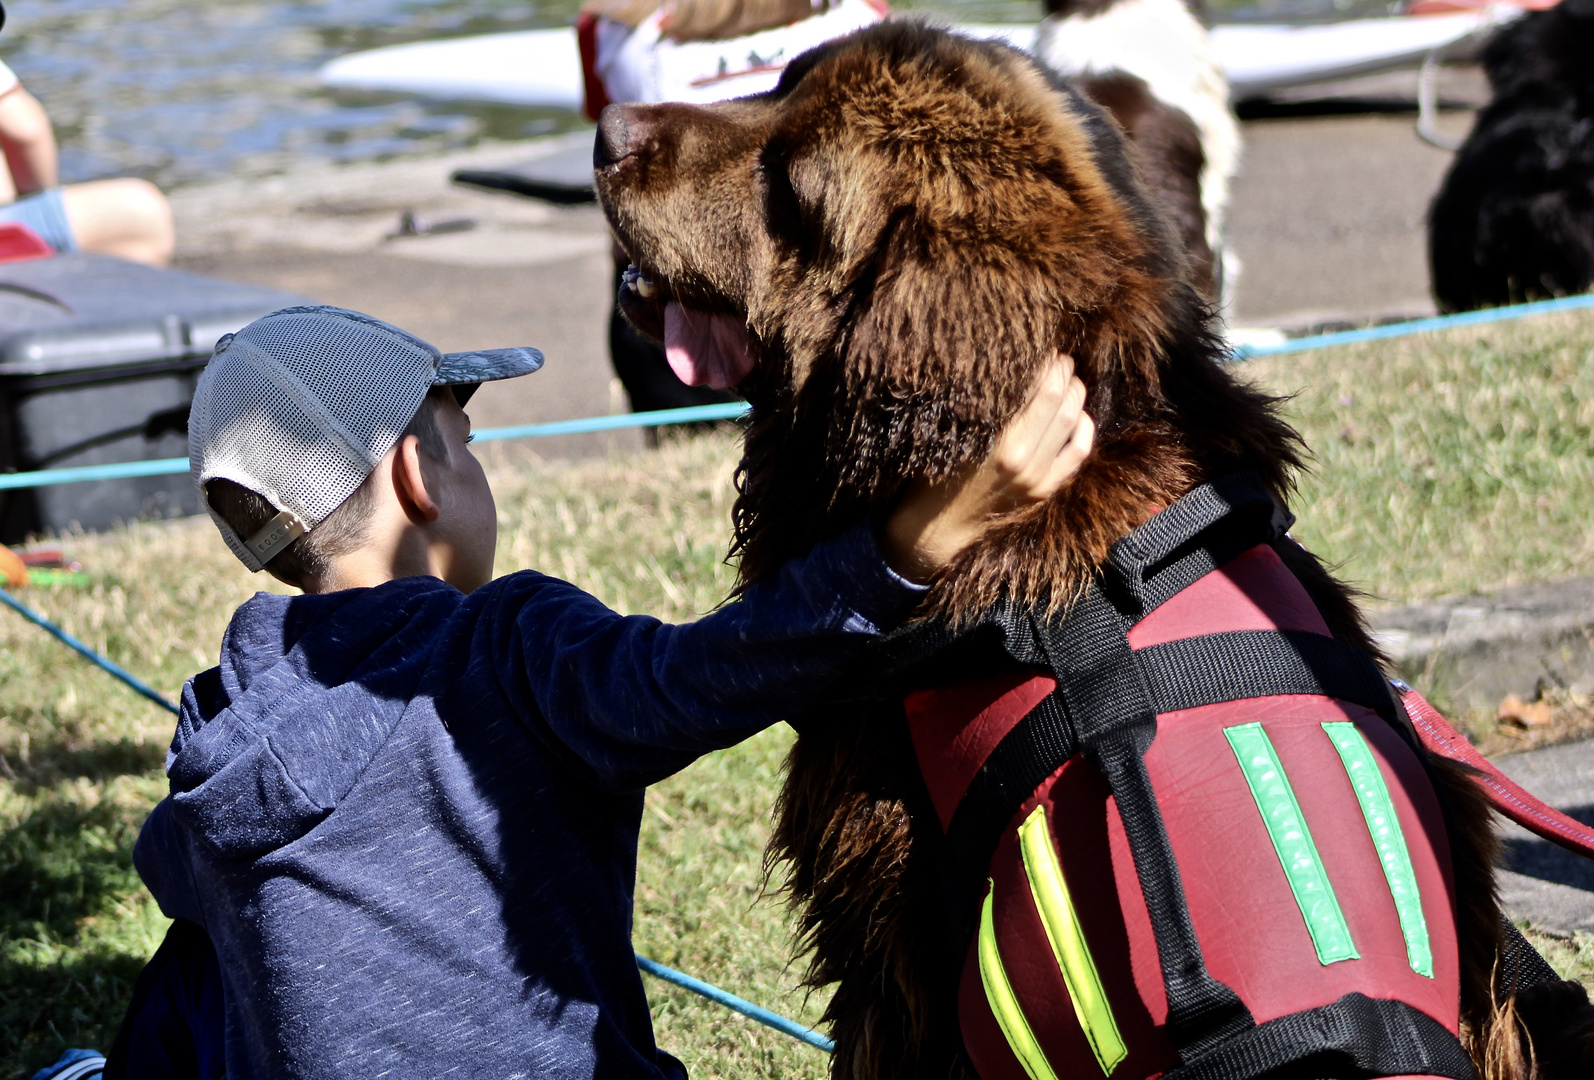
column 638, row 699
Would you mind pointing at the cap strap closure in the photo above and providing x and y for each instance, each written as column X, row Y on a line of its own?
column 277, row 534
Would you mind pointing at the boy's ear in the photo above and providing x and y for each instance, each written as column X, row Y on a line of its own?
column 409, row 482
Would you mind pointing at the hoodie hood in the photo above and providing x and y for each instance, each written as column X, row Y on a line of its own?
column 308, row 690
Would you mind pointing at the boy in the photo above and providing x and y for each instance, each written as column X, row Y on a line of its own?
column 405, row 806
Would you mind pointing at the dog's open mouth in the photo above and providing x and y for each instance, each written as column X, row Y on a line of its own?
column 703, row 348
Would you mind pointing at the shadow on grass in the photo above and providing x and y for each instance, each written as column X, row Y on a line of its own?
column 52, row 761
column 64, row 863
column 66, row 873
column 74, row 1002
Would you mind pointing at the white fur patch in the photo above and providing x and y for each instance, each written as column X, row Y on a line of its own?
column 1161, row 43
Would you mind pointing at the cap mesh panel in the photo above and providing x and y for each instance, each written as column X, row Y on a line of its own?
column 279, row 406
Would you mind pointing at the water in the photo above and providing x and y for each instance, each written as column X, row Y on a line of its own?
column 186, row 90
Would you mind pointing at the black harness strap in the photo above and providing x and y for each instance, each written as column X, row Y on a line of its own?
column 1239, row 664
column 1109, row 705
column 1035, row 748
column 1197, row 534
column 1356, row 1036
column 1178, row 675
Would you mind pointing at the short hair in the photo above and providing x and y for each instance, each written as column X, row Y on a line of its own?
column 341, row 531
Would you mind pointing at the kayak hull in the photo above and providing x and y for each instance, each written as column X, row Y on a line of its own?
column 542, row 68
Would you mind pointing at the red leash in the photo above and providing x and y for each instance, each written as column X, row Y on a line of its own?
column 1504, row 794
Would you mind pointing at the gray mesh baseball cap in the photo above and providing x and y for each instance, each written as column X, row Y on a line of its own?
column 302, row 404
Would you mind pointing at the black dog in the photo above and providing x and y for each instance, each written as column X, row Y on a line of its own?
column 1514, row 220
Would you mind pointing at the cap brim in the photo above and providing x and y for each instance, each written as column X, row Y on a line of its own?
column 486, row 366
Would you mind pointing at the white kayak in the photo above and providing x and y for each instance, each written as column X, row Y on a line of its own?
column 542, row 68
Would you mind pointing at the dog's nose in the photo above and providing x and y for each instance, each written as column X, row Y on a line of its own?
column 620, row 131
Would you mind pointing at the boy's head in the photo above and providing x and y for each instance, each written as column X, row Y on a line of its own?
column 299, row 411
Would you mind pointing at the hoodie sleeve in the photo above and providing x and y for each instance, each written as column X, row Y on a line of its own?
column 637, row 699
column 161, row 858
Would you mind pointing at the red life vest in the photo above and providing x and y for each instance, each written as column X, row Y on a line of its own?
column 1208, row 849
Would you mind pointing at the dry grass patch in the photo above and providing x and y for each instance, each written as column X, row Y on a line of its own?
column 1448, row 463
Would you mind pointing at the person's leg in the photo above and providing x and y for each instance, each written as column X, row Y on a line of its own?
column 175, row 1027
column 128, row 218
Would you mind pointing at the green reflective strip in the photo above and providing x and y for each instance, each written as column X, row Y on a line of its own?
column 1004, row 1003
column 1056, row 909
column 1383, row 825
column 1292, row 840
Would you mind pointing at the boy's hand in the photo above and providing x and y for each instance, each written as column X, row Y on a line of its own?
column 1038, row 452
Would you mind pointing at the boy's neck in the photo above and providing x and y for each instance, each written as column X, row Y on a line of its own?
column 374, row 564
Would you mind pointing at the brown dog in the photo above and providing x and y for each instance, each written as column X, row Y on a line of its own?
column 880, row 254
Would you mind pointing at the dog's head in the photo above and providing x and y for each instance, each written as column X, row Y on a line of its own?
column 881, row 253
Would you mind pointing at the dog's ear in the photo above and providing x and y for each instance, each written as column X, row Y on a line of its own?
column 996, row 255
column 943, row 344
column 948, row 336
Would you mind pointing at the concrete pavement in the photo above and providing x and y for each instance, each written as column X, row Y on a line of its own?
column 1539, row 881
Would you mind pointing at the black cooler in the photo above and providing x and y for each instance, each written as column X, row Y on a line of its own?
column 98, row 362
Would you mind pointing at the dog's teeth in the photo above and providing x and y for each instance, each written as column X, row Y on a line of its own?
column 645, row 288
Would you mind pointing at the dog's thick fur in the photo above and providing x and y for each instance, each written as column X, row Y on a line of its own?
column 1514, row 219
column 911, row 226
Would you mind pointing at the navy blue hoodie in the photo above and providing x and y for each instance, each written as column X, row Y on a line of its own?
column 408, row 817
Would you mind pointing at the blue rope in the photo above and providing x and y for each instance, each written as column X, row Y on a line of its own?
column 693, row 414
column 731, row 1001
column 124, row 470
column 697, row 986
column 1417, row 326
column 84, row 651
column 697, row 414
column 128, row 470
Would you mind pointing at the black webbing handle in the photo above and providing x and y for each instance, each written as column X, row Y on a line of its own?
column 1197, row 534
column 1356, row 1035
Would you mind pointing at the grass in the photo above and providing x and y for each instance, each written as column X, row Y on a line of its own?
column 1443, row 465
column 1451, row 469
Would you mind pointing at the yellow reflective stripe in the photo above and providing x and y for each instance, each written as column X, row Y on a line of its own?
column 1004, row 1003
column 1056, row 907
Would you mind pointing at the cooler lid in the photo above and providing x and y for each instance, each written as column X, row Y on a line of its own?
column 78, row 312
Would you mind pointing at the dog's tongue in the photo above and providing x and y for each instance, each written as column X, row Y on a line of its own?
column 705, row 350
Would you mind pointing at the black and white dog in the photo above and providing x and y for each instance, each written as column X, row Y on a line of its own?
column 1151, row 64
column 1514, row 220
